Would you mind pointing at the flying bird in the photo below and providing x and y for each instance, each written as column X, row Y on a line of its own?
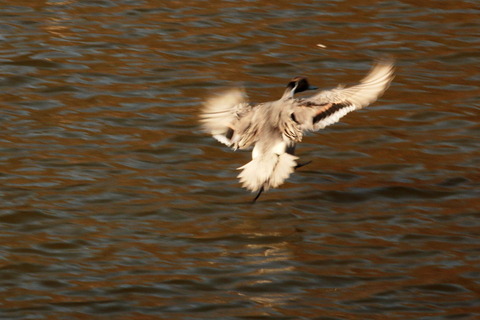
column 274, row 128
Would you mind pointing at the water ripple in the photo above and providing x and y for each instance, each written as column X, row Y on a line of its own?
column 116, row 204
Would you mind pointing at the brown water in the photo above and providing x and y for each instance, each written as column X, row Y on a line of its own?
column 116, row 206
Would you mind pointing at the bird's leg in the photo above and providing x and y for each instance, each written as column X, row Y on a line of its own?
column 258, row 195
column 302, row 164
column 291, row 150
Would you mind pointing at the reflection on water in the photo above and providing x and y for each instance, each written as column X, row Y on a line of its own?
column 116, row 205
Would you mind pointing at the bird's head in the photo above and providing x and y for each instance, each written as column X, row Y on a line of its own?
column 296, row 85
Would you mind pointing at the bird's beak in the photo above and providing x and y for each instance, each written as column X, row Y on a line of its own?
column 312, row 88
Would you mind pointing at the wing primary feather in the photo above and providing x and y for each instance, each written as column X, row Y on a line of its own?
column 220, row 115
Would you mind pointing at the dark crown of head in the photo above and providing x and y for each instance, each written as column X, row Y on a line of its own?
column 299, row 83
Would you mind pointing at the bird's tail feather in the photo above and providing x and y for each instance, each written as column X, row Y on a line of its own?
column 267, row 170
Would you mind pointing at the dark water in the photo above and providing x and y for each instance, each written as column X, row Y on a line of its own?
column 116, row 206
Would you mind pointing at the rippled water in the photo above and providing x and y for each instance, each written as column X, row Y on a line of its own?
column 116, row 206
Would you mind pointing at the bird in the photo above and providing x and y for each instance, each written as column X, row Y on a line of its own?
column 274, row 128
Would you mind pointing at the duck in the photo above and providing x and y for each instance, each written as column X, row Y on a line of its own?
column 273, row 129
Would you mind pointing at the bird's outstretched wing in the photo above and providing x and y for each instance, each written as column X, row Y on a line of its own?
column 223, row 115
column 327, row 107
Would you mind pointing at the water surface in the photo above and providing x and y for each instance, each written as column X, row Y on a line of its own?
column 115, row 205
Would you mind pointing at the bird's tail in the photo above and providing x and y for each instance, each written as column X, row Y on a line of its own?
column 267, row 170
